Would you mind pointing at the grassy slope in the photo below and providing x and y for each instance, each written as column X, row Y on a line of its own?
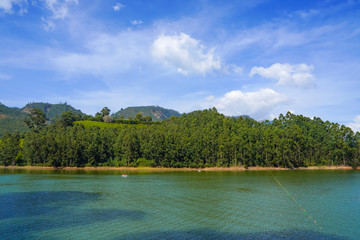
column 87, row 124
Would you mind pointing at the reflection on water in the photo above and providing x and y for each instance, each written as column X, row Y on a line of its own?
column 58, row 204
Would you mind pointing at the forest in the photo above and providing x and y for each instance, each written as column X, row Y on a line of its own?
column 197, row 139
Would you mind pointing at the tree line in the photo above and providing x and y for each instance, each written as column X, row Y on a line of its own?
column 198, row 139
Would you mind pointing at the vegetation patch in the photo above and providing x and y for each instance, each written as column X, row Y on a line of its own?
column 88, row 124
column 195, row 140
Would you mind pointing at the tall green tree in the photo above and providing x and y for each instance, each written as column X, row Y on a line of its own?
column 37, row 120
column 10, row 150
column 67, row 118
column 105, row 111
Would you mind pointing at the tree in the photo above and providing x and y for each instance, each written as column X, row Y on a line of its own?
column 105, row 111
column 98, row 117
column 138, row 117
column 10, row 149
column 67, row 118
column 36, row 120
column 147, row 118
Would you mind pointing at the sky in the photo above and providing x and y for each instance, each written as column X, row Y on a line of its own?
column 258, row 57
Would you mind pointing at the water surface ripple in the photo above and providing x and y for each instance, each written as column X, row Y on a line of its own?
column 322, row 204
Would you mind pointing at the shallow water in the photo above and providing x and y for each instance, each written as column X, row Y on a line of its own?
column 55, row 204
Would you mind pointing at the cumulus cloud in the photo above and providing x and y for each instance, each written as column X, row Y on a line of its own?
column 136, row 22
column 258, row 104
column 118, row 6
column 186, row 54
column 355, row 126
column 290, row 75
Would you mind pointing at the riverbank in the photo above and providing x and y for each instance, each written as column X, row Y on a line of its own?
column 161, row 169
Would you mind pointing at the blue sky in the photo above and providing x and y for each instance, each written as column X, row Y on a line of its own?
column 259, row 58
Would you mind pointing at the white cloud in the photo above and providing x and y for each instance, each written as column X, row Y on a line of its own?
column 233, row 69
column 7, row 6
column 186, row 54
column 291, row 75
column 48, row 24
column 355, row 126
column 115, row 98
column 304, row 13
column 270, row 38
column 118, row 6
column 258, row 104
column 107, row 55
column 59, row 11
column 59, row 8
column 136, row 22
column 210, row 98
column 5, row 76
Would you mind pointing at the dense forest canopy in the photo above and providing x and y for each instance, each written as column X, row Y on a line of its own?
column 198, row 139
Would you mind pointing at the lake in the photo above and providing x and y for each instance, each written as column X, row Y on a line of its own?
column 59, row 204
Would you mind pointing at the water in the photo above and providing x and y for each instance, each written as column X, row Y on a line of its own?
column 179, row 205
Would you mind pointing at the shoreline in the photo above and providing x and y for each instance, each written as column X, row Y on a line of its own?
column 161, row 169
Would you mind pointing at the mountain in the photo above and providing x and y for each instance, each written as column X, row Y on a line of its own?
column 50, row 110
column 12, row 119
column 157, row 113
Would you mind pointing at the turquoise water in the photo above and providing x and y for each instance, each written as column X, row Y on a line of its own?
column 179, row 205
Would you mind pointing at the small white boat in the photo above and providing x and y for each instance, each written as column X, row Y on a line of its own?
column 124, row 175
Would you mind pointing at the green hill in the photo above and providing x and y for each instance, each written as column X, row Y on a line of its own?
column 12, row 119
column 50, row 110
column 157, row 113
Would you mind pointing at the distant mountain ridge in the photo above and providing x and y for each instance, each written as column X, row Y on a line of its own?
column 12, row 119
column 157, row 113
column 50, row 110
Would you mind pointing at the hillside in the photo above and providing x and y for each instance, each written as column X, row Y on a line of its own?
column 157, row 113
column 11, row 120
column 50, row 110
column 197, row 139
